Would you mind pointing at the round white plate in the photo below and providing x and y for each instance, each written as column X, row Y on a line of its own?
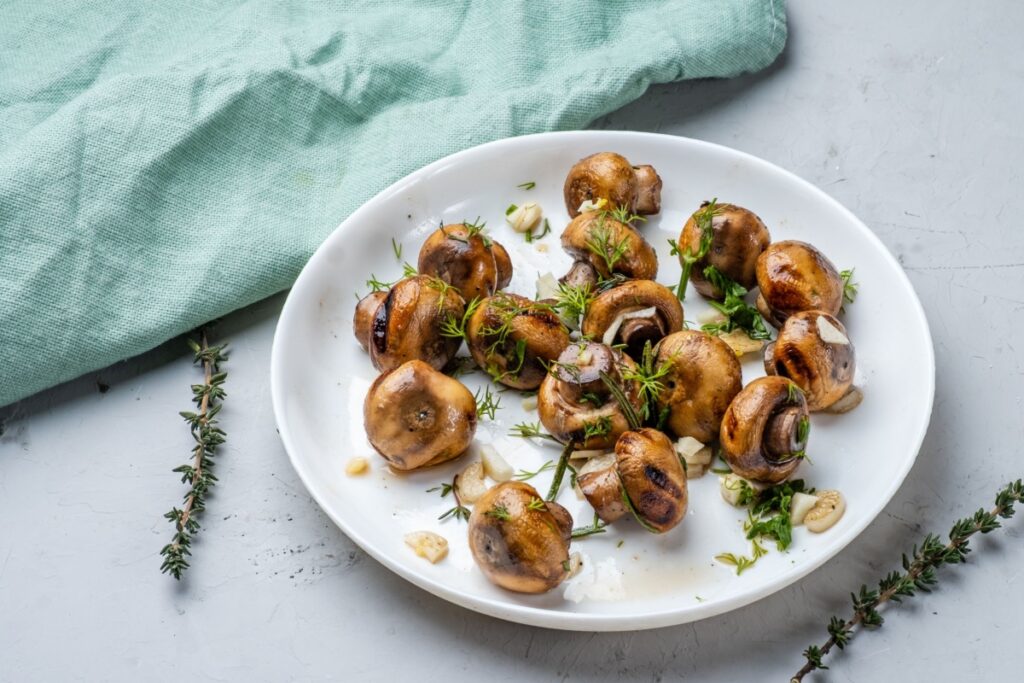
column 319, row 377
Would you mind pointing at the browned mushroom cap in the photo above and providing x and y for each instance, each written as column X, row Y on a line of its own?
column 362, row 321
column 609, row 176
column 513, row 338
column 634, row 313
column 609, row 246
column 738, row 238
column 814, row 351
column 466, row 259
column 794, row 276
column 647, row 477
column 764, row 431
column 520, row 542
column 416, row 416
column 703, row 377
column 574, row 403
column 407, row 325
column 648, row 190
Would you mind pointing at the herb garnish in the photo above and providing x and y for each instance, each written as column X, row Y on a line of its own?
column 850, row 288
column 526, row 475
column 648, row 378
column 530, row 237
column 738, row 315
column 602, row 246
column 397, row 248
column 455, row 328
column 460, row 511
column 488, row 404
column 704, row 220
column 531, row 430
column 597, row 527
column 499, row 512
column 528, row 185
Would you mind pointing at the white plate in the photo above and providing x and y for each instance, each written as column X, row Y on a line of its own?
column 319, row 378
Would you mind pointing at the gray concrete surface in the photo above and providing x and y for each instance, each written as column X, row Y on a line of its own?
column 909, row 113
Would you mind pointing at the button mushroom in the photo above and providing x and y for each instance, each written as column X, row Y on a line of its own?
column 362, row 321
column 519, row 541
column 647, row 478
column 407, row 325
column 703, row 377
column 610, row 246
column 574, row 403
column 794, row 276
column 764, row 431
column 512, row 338
column 814, row 351
column 416, row 416
column 465, row 258
column 609, row 176
column 633, row 313
column 737, row 238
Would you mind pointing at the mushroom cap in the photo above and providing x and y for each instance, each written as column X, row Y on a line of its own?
column 653, row 477
column 629, row 297
column 739, row 237
column 465, row 259
column 605, row 175
column 793, row 276
column 594, row 232
column 573, row 396
column 362, row 320
column 823, row 369
column 416, row 416
column 506, row 323
column 517, row 547
column 407, row 326
column 703, row 378
column 759, row 436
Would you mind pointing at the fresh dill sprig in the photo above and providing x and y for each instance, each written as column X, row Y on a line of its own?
column 594, row 429
column 488, row 404
column 572, row 302
column 197, row 473
column 530, row 237
column 648, row 378
column 526, row 475
column 409, row 271
column 738, row 314
column 705, row 224
column 623, row 215
column 459, row 511
column 919, row 574
column 397, row 248
column 536, row 504
column 531, row 430
column 850, row 287
column 454, row 327
column 601, row 244
column 376, row 285
column 528, row 185
column 596, row 527
column 499, row 512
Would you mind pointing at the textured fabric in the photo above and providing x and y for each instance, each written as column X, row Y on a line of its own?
column 163, row 163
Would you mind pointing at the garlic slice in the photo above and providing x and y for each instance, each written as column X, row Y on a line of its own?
column 826, row 512
column 800, row 506
column 427, row 544
column 590, row 205
column 547, row 286
column 495, row 466
column 470, row 482
column 613, row 329
column 524, row 218
column 829, row 333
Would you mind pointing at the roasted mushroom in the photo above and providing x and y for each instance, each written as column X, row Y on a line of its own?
column 362, row 321
column 465, row 258
column 764, row 431
column 416, row 416
column 633, row 313
column 609, row 246
column 814, row 351
column 519, row 541
column 512, row 338
column 647, row 477
column 407, row 325
column 794, row 276
column 703, row 377
column 574, row 403
column 610, row 176
column 738, row 237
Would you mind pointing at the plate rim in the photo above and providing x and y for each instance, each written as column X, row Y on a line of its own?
column 577, row 621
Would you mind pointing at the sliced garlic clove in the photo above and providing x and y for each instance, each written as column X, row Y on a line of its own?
column 731, row 487
column 524, row 218
column 427, row 544
column 710, row 317
column 590, row 205
column 495, row 466
column 530, row 402
column 741, row 343
column 826, row 512
column 547, row 286
column 829, row 333
column 694, row 471
column 470, row 483
column 800, row 506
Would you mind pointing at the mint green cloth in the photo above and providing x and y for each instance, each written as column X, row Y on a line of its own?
column 164, row 163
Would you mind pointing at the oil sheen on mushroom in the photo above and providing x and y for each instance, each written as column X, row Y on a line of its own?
column 814, row 350
column 407, row 325
column 466, row 259
column 794, row 276
column 633, row 313
column 738, row 238
column 610, row 176
column 609, row 246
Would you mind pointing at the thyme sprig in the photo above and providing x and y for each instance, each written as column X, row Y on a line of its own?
column 705, row 224
column 919, row 574
column 198, row 473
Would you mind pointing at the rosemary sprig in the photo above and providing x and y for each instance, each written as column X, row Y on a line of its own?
column 738, row 314
column 705, row 221
column 460, row 511
column 198, row 473
column 488, row 404
column 597, row 527
column 620, row 396
column 526, row 475
column 918, row 575
column 563, row 464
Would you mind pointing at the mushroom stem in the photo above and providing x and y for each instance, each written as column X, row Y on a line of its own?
column 603, row 491
column 563, row 463
column 581, row 274
column 636, row 332
column 782, row 434
column 648, row 190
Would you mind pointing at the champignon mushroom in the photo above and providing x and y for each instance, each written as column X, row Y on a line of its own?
column 407, row 325
column 512, row 338
column 647, row 477
column 794, row 276
column 416, row 416
column 463, row 257
column 703, row 377
column 738, row 237
column 519, row 541
column 814, row 351
column 574, row 403
column 362, row 320
column 609, row 246
column 764, row 431
column 633, row 313
column 609, row 176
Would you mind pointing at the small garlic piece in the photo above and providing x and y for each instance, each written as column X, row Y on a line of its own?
column 524, row 218
column 547, row 286
column 356, row 466
column 800, row 506
column 829, row 333
column 541, row 247
column 696, row 455
column 827, row 511
column 850, row 400
column 470, row 482
column 530, row 402
column 741, row 343
column 590, row 205
column 495, row 466
column 427, row 544
column 732, row 486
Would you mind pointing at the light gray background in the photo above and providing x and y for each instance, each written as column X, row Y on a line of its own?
column 907, row 112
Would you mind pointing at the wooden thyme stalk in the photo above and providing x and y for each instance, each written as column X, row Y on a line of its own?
column 198, row 472
column 918, row 575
